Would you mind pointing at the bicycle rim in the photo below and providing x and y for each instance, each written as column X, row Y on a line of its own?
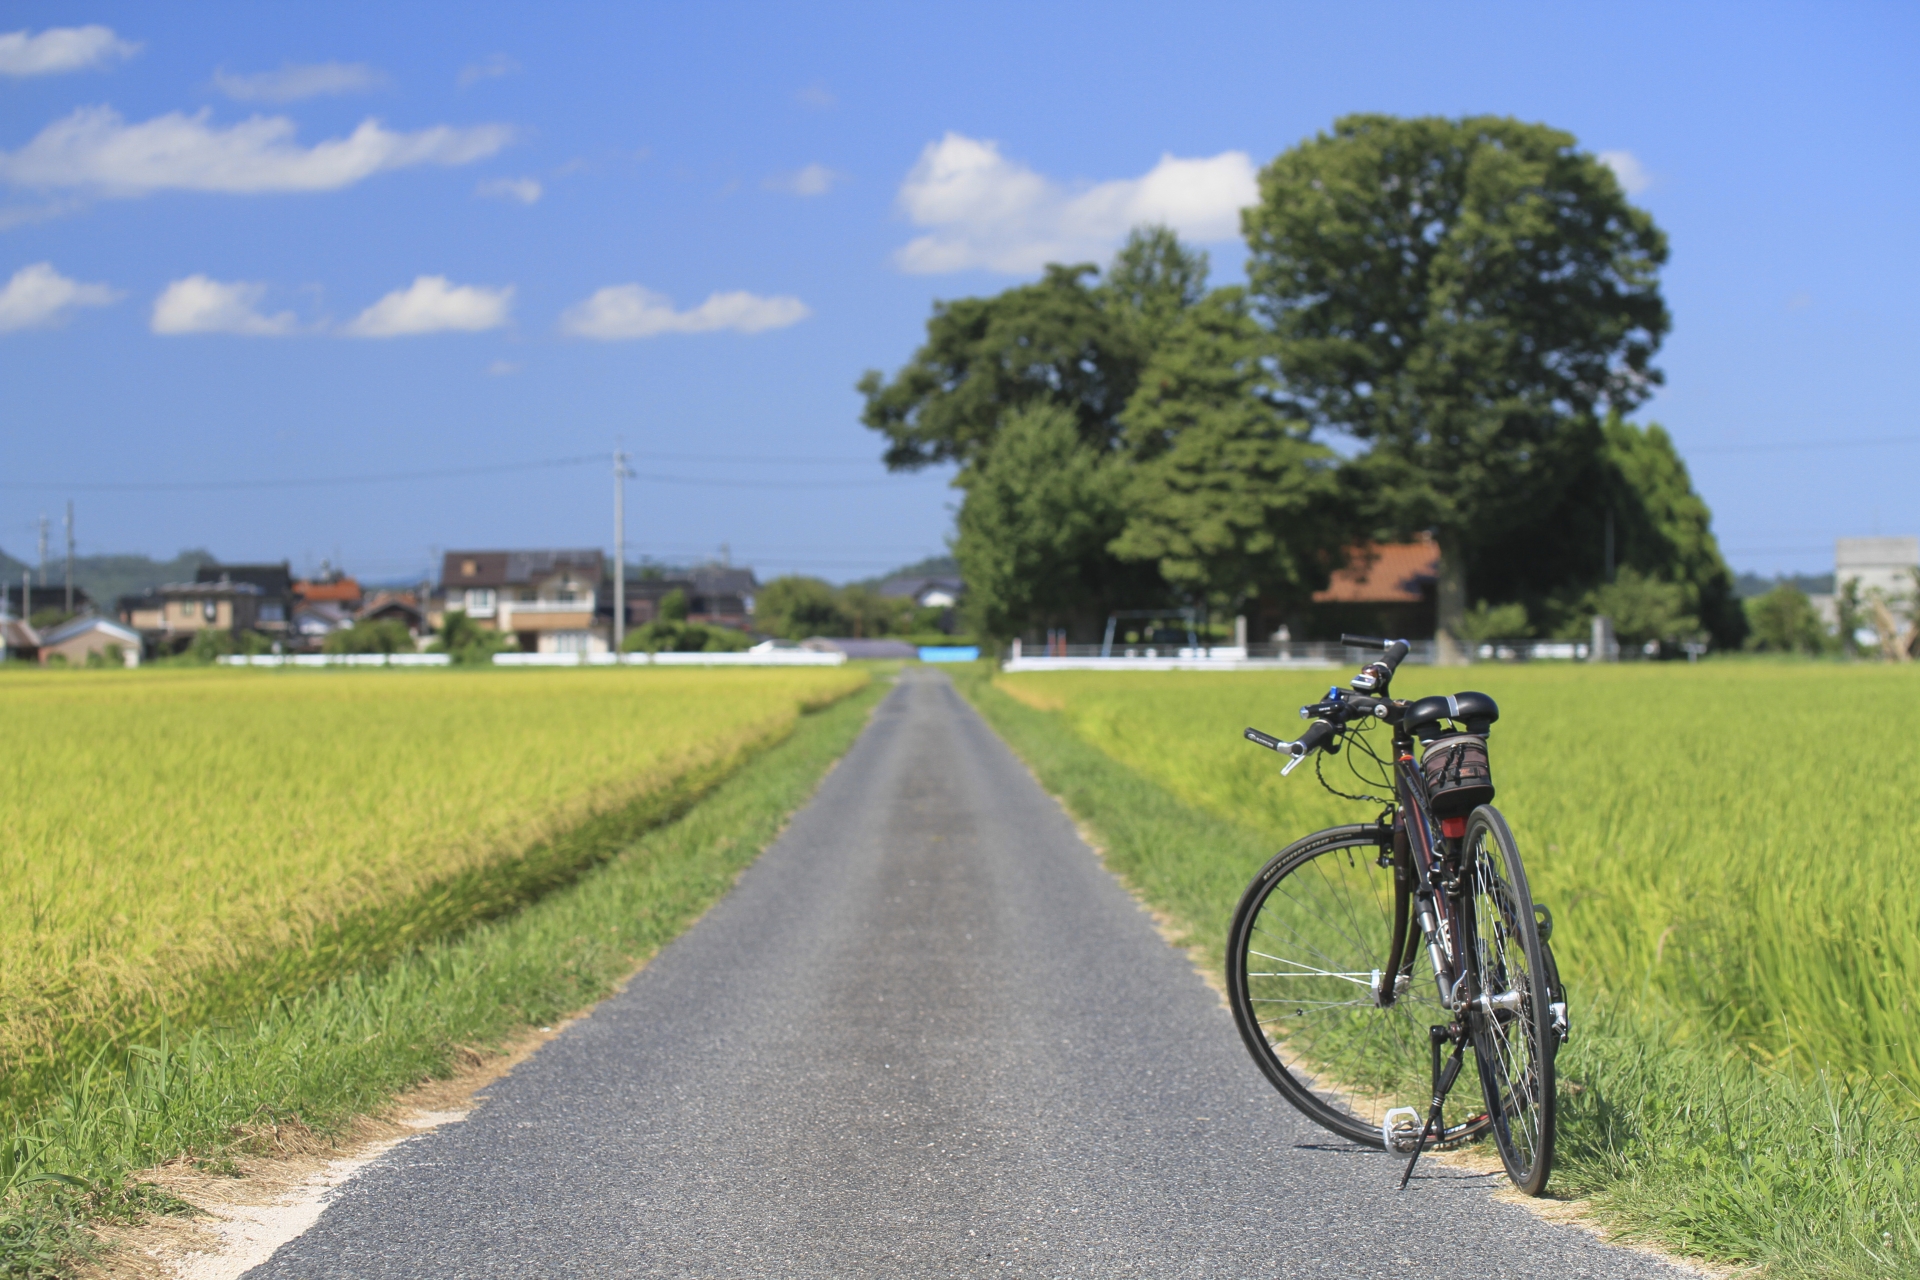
column 1303, row 967
column 1514, row 1042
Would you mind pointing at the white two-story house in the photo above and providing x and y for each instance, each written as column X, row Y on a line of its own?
column 549, row 600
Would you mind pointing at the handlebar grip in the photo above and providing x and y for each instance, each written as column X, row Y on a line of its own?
column 1313, row 739
column 1396, row 651
column 1363, row 642
column 1266, row 740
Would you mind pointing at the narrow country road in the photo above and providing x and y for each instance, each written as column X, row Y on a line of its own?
column 927, row 1034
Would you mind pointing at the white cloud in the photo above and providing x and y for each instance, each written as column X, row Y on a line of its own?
column 498, row 65
column 983, row 210
column 630, row 311
column 95, row 149
column 432, row 305
column 292, row 82
column 525, row 190
column 503, row 368
column 60, row 49
column 814, row 180
column 1633, row 175
column 38, row 297
column 200, row 305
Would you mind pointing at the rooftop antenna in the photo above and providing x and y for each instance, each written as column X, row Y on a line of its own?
column 69, row 555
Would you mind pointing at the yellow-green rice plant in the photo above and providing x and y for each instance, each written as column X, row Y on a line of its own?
column 184, row 844
column 1734, row 840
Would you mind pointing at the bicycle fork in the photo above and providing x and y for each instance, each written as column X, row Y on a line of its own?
column 1443, row 1080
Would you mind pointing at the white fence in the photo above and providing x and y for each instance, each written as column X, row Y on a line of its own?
column 764, row 658
column 1306, row 655
column 773, row 658
column 335, row 660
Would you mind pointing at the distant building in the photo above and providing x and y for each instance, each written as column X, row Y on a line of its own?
column 329, row 586
column 1885, row 565
column 274, row 607
column 404, row 607
column 18, row 640
column 717, row 594
column 313, row 623
column 550, row 601
column 1385, row 589
column 90, row 637
column 170, row 615
column 932, row 591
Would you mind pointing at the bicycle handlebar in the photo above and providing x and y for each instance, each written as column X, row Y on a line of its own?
column 1317, row 735
column 1376, row 676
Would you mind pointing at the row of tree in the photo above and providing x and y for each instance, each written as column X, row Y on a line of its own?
column 1444, row 326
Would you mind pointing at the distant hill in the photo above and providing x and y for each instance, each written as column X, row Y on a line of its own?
column 1748, row 585
column 931, row 567
column 106, row 578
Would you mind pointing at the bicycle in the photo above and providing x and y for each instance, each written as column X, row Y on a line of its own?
column 1325, row 941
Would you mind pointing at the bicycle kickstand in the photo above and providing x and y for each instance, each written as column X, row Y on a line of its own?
column 1442, row 1085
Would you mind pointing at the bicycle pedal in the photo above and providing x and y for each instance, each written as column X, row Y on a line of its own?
column 1400, row 1130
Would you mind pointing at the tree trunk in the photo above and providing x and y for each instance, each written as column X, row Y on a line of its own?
column 1449, row 648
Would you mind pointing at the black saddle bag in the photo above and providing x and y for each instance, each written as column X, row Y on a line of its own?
column 1459, row 775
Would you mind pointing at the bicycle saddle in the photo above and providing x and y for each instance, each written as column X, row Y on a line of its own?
column 1475, row 710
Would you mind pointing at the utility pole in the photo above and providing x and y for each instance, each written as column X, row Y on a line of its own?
column 620, row 474
column 43, row 549
column 69, row 555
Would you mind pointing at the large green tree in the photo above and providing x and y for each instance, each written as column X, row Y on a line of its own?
column 1071, row 343
column 1465, row 297
column 1226, row 496
column 1033, row 531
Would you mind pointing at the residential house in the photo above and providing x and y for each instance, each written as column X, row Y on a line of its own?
column 1385, row 589
column 717, row 594
column 329, row 586
column 76, row 642
column 929, row 591
column 18, row 640
column 550, row 601
column 404, row 607
column 273, row 610
column 313, row 623
column 932, row 591
column 170, row 615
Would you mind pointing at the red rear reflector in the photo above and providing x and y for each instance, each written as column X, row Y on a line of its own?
column 1453, row 828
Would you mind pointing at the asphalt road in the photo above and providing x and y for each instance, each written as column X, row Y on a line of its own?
column 927, row 1034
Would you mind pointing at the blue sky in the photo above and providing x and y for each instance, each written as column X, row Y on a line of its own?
column 304, row 242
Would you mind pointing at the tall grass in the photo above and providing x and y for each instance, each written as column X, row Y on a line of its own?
column 1683, row 1122
column 1734, row 839
column 343, row 1049
column 184, row 845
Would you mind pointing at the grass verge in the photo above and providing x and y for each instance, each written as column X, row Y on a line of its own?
column 1681, row 1141
column 347, row 1047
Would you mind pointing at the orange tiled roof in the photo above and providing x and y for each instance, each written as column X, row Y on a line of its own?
column 1383, row 573
column 340, row 590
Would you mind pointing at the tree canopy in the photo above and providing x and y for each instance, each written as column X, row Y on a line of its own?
column 1227, row 497
column 1462, row 296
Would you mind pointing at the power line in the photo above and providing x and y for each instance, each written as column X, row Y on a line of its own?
column 1796, row 446
column 449, row 473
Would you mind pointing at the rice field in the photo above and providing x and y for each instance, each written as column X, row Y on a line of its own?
column 184, row 844
column 1727, row 848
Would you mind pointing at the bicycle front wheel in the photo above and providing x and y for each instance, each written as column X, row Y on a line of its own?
column 1305, row 956
column 1514, row 1041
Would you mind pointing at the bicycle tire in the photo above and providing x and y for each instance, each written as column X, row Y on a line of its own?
column 1514, row 1047
column 1313, row 924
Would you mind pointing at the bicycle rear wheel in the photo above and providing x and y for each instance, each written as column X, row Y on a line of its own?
column 1514, row 1041
column 1304, row 975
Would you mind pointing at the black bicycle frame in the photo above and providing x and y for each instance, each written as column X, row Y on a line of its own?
column 1420, row 895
